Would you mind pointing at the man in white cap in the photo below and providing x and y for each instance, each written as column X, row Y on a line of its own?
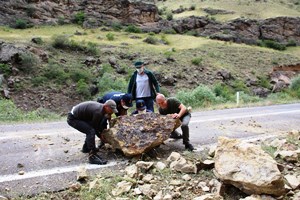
column 87, row 118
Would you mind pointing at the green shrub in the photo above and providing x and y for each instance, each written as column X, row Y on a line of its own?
column 110, row 36
column 61, row 20
column 75, row 46
column 133, row 29
column 38, row 40
column 201, row 96
column 116, row 26
column 5, row 69
column 169, row 31
column 162, row 10
column 269, row 150
column 39, row 80
column 263, row 81
column 92, row 49
column 54, row 72
column 165, row 40
column 63, row 42
column 246, row 98
column 192, row 33
column 239, row 85
column 295, row 85
column 272, row 44
column 79, row 18
column 197, row 61
column 109, row 82
column 224, row 91
column 60, row 41
column 106, row 68
column 83, row 89
column 284, row 96
column 28, row 62
column 10, row 113
column 168, row 54
column 151, row 40
column 291, row 43
column 169, row 16
column 164, row 91
column 20, row 24
column 77, row 74
column 193, row 7
column 30, row 11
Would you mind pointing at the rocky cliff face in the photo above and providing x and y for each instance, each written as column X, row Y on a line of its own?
column 96, row 12
column 284, row 30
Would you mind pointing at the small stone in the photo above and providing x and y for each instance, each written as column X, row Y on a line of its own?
column 21, row 172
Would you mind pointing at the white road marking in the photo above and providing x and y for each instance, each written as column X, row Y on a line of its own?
column 46, row 172
column 244, row 116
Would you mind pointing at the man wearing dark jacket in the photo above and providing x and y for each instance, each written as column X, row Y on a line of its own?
column 123, row 101
column 143, row 85
column 87, row 118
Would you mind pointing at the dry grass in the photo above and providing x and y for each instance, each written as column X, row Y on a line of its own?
column 241, row 8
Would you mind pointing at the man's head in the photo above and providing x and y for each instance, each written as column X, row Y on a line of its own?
column 126, row 101
column 161, row 101
column 139, row 66
column 140, row 105
column 110, row 107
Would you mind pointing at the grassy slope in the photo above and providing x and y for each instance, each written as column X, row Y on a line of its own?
column 242, row 8
column 242, row 60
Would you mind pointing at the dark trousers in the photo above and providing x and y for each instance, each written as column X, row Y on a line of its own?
column 148, row 102
column 84, row 127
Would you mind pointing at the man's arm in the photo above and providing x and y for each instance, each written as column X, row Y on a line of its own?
column 130, row 85
column 181, row 112
column 155, row 82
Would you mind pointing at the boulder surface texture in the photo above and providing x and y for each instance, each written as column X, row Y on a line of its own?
column 137, row 134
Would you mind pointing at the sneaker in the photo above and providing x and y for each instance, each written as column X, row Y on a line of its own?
column 85, row 148
column 189, row 147
column 96, row 159
column 175, row 135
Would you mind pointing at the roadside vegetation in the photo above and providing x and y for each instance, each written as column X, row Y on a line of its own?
column 9, row 113
column 70, row 45
column 167, row 53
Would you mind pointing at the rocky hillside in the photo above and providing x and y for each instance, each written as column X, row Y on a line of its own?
column 145, row 13
column 223, row 62
column 49, row 12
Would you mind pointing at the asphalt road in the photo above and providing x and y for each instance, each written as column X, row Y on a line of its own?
column 46, row 156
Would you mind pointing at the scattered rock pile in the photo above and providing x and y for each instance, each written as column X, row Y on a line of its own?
column 237, row 163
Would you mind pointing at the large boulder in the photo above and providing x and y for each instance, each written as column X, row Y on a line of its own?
column 247, row 167
column 137, row 134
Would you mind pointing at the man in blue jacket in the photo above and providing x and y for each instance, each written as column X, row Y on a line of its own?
column 123, row 101
column 143, row 85
column 140, row 107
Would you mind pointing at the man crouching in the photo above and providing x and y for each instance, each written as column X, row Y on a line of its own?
column 87, row 117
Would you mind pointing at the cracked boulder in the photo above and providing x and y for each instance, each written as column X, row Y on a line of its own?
column 137, row 134
column 247, row 167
